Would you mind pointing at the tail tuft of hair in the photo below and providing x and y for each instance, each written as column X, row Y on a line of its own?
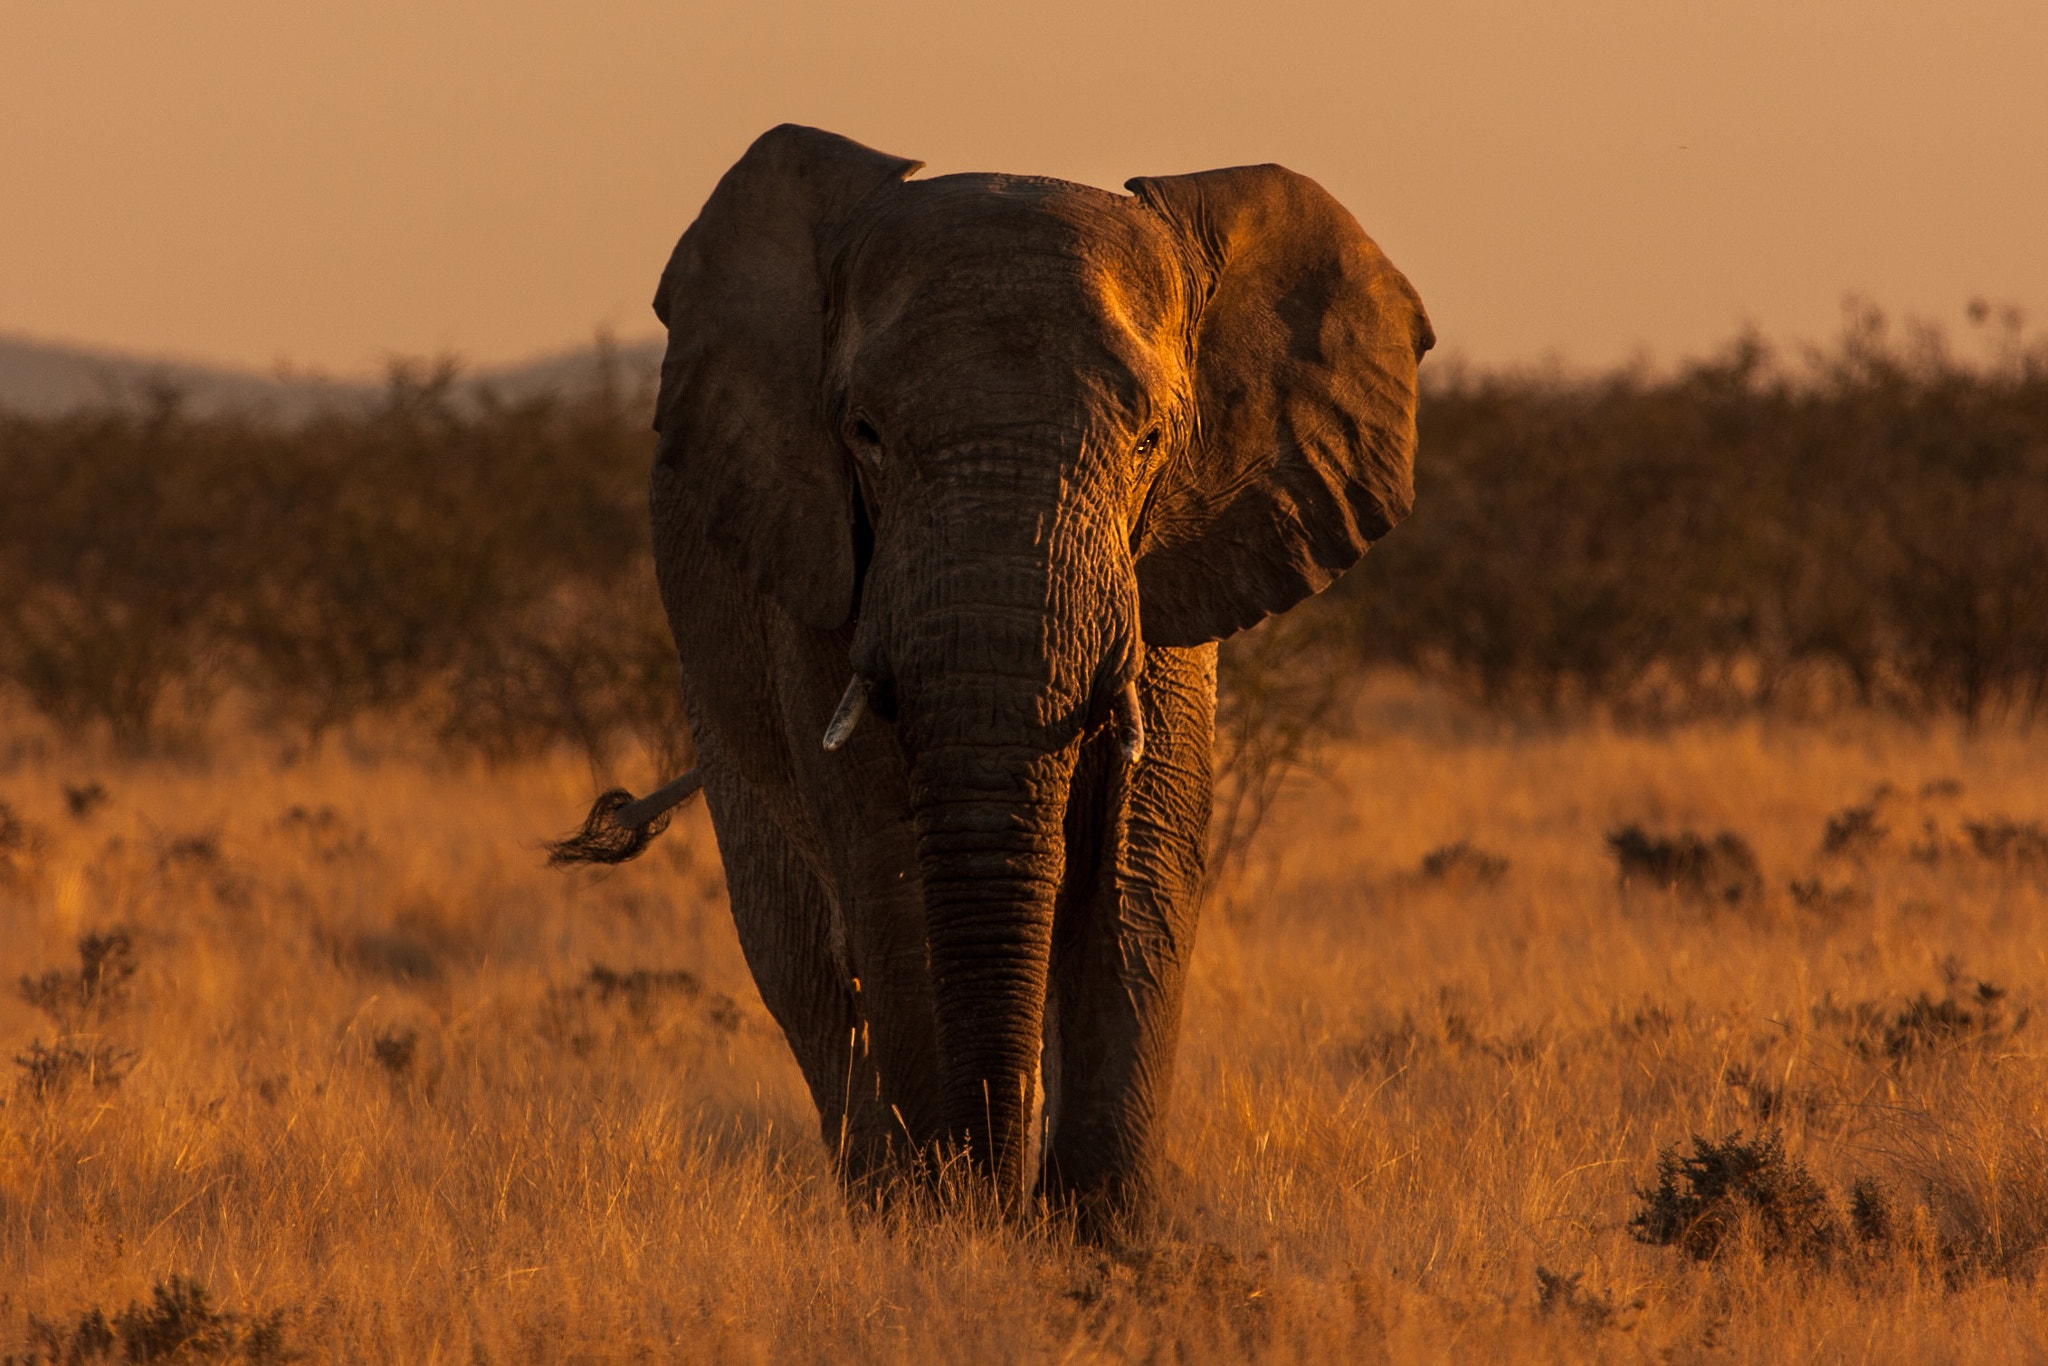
column 604, row 838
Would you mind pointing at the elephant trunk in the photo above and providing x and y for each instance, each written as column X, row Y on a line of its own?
column 989, row 840
column 995, row 649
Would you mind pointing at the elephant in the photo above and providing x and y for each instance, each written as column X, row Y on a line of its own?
column 958, row 482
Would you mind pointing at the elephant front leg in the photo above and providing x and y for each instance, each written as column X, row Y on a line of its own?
column 1122, row 938
column 850, row 1056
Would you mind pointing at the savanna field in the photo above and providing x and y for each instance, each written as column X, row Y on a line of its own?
column 1626, row 942
column 313, row 1056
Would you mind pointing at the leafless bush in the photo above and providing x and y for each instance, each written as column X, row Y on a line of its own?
column 82, row 799
column 1283, row 693
column 49, row 1070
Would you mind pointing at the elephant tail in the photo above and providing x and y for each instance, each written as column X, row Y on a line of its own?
column 620, row 827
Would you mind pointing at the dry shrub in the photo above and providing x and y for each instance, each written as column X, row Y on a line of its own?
column 51, row 1070
column 179, row 1323
column 1462, row 865
column 1564, row 1296
column 1126, row 1297
column 99, row 987
column 1924, row 1026
column 2017, row 846
column 655, row 1000
column 1744, row 1191
column 394, row 1048
column 82, row 799
column 1283, row 695
column 1896, row 822
column 19, row 843
column 1722, row 871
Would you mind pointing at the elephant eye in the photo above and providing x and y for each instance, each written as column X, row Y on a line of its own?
column 1147, row 443
column 864, row 432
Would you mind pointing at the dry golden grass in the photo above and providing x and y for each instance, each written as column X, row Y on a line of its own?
column 365, row 1089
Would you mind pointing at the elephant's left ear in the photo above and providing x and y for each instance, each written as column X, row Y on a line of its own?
column 1305, row 359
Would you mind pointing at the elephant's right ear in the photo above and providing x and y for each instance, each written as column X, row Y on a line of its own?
column 740, row 410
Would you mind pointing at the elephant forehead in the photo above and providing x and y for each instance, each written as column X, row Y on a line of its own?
column 1015, row 258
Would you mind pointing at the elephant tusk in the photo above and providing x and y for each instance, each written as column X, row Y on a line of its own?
column 1130, row 723
column 851, row 708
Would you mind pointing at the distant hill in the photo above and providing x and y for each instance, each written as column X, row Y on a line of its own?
column 45, row 378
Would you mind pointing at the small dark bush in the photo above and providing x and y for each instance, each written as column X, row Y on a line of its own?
column 1721, row 871
column 179, row 1323
column 324, row 832
column 1463, row 865
column 86, row 798
column 199, row 850
column 1562, row 1295
column 1811, row 894
column 394, row 1049
column 1736, row 1189
column 1926, row 1025
column 1871, row 1217
column 2020, row 847
column 640, row 986
column 99, row 988
column 19, row 844
column 49, row 1071
column 643, row 990
column 1853, row 832
column 17, row 836
column 1966, row 1016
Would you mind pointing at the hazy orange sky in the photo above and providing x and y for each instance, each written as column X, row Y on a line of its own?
column 332, row 184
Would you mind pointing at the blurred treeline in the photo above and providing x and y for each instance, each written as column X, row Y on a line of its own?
column 448, row 557
column 1864, row 525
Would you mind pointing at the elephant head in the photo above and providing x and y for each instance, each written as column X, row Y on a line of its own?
column 1006, row 432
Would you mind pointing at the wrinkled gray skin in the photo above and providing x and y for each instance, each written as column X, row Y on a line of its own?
column 999, row 446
